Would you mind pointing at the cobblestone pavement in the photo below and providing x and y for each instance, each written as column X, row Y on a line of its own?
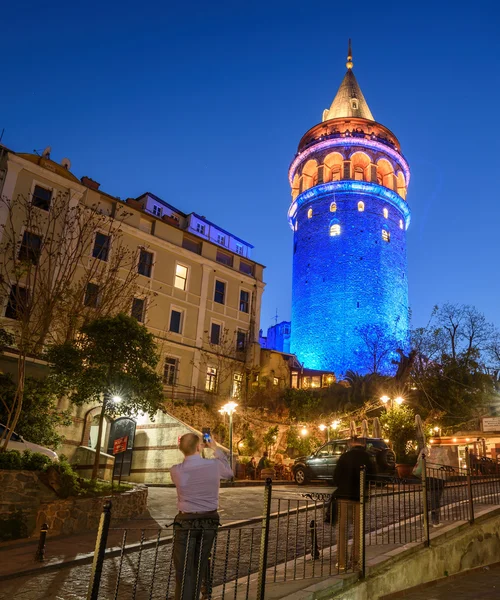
column 482, row 584
column 147, row 575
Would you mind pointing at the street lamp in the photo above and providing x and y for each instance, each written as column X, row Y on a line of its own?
column 116, row 399
column 229, row 408
column 322, row 427
column 398, row 400
column 303, row 432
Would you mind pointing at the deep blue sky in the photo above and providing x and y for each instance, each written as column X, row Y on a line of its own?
column 203, row 103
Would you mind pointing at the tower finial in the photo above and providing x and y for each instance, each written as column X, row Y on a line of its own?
column 349, row 56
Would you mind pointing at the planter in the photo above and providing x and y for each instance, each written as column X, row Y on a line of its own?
column 241, row 471
column 265, row 473
column 404, row 471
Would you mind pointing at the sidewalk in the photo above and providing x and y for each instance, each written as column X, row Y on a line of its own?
column 483, row 583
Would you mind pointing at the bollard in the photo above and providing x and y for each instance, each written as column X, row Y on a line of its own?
column 264, row 541
column 100, row 549
column 40, row 552
column 314, row 541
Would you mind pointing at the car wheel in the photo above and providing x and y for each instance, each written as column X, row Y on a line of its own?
column 300, row 476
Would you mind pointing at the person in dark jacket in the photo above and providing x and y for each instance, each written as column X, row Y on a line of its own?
column 346, row 478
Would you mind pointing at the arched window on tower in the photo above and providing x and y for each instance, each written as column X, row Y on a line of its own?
column 386, row 235
column 361, row 206
column 296, row 225
column 401, row 226
column 333, row 207
column 386, row 213
column 309, row 213
column 358, row 174
column 336, row 174
column 334, row 229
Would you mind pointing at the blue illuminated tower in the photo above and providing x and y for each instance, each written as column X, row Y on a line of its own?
column 349, row 216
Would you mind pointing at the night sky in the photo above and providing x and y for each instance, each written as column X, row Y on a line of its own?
column 204, row 103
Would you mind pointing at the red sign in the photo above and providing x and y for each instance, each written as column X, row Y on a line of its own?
column 120, row 445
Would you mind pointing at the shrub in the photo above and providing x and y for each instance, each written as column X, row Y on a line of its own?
column 13, row 526
column 67, row 482
column 35, row 461
column 11, row 460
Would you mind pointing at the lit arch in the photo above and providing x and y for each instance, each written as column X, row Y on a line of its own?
column 401, row 183
column 309, row 212
column 386, row 234
column 309, row 175
column 333, row 165
column 361, row 206
column 295, row 186
column 334, row 229
column 385, row 173
column 386, row 213
column 360, row 166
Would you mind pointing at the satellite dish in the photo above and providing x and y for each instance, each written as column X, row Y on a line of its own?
column 66, row 163
column 46, row 152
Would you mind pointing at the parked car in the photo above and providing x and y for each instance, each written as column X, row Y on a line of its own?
column 17, row 442
column 321, row 464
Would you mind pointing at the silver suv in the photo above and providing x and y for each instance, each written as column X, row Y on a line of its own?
column 322, row 463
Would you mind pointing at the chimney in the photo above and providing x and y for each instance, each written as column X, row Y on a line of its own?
column 90, row 183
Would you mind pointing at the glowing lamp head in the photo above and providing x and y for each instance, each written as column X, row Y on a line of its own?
column 303, row 431
column 116, row 399
column 385, row 399
column 229, row 408
column 431, row 441
column 436, row 429
column 454, row 439
column 399, row 400
column 322, row 427
column 335, row 424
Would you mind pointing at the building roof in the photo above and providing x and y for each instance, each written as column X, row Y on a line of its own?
column 50, row 165
column 349, row 90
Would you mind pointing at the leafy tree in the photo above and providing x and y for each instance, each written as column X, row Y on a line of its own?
column 46, row 263
column 300, row 445
column 302, row 404
column 270, row 437
column 114, row 357
column 398, row 424
column 40, row 417
column 377, row 347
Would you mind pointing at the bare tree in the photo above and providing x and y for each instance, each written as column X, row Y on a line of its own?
column 55, row 275
column 378, row 346
column 450, row 317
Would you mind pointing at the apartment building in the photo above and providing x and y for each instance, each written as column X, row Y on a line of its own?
column 197, row 290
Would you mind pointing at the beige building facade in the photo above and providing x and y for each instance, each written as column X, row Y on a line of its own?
column 196, row 288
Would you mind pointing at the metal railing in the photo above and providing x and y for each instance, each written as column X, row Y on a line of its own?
column 292, row 541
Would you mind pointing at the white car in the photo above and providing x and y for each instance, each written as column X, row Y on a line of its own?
column 17, row 442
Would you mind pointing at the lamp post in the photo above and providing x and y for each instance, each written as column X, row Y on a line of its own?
column 229, row 409
column 385, row 399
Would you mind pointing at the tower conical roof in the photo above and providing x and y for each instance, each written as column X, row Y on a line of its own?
column 349, row 101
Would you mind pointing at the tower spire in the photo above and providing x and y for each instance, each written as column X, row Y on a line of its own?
column 349, row 63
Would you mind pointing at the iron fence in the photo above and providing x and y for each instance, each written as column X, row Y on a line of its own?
column 292, row 541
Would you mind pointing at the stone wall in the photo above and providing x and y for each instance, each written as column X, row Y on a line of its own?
column 25, row 500
column 74, row 515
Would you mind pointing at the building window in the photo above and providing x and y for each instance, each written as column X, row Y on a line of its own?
column 333, row 207
column 191, row 244
column 211, row 379
column 239, row 249
column 175, row 321
column 386, row 235
column 139, row 309
column 241, row 340
column 91, row 295
column 246, row 267
column 237, row 385
column 157, row 210
column 358, row 174
column 200, row 228
column 220, row 292
column 42, row 197
column 17, row 304
column 276, row 381
column 215, row 333
column 334, row 229
column 181, row 274
column 224, row 258
column 31, row 247
column 145, row 263
column 361, row 206
column 309, row 213
column 386, row 213
column 354, row 104
column 244, row 301
column 401, row 226
column 221, row 239
column 101, row 246
column 296, row 225
column 170, row 371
